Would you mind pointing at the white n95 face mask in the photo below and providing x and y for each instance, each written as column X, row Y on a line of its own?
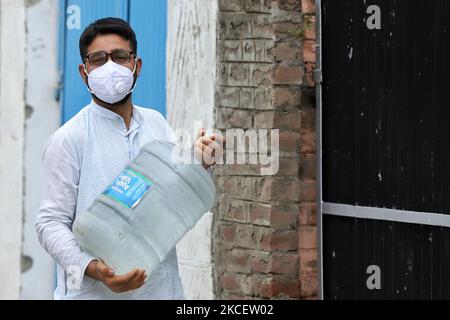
column 111, row 82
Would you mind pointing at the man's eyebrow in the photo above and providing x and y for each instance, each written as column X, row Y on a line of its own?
column 110, row 51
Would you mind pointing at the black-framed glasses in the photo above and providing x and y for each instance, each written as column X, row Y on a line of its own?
column 119, row 56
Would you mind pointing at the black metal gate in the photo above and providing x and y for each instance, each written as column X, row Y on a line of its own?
column 384, row 111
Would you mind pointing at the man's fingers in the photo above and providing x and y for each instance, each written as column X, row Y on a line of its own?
column 127, row 278
column 201, row 133
column 206, row 141
column 133, row 287
column 218, row 138
column 215, row 150
column 209, row 149
column 214, row 145
column 207, row 155
column 135, row 282
column 203, row 156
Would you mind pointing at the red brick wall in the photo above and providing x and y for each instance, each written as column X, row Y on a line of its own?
column 308, row 215
column 264, row 229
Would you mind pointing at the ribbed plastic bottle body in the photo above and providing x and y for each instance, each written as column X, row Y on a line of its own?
column 146, row 211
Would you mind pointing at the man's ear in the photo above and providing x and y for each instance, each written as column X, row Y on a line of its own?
column 82, row 73
column 139, row 66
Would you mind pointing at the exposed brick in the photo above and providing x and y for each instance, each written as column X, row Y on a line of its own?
column 230, row 282
column 260, row 214
column 265, row 234
column 308, row 143
column 285, row 263
column 288, row 5
column 285, row 52
column 232, row 118
column 288, row 120
column 247, row 187
column 308, row 6
column 309, row 51
column 227, row 5
column 262, row 27
column 239, row 170
column 308, row 119
column 228, row 232
column 307, row 237
column 260, row 262
column 228, row 97
column 277, row 286
column 239, row 74
column 287, row 11
column 289, row 167
column 308, row 77
column 264, row 120
column 260, row 74
column 249, row 237
column 282, row 240
column 309, row 284
column 308, row 214
column 255, row 6
column 308, row 166
column 290, row 141
column 244, row 236
column 234, row 26
column 263, row 50
column 310, row 27
column 238, row 260
column 279, row 189
column 233, row 296
column 239, row 211
column 231, row 50
column 308, row 191
column 225, row 185
column 308, row 260
column 287, row 75
column 287, row 30
column 262, row 98
column 284, row 216
column 250, row 284
column 286, row 98
column 248, row 50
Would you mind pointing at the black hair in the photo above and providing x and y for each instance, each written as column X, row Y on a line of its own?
column 103, row 27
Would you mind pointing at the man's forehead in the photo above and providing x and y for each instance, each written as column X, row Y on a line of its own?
column 109, row 42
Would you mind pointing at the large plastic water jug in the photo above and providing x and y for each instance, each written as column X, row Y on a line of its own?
column 147, row 209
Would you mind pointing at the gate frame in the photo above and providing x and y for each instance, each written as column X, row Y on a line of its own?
column 345, row 210
column 318, row 83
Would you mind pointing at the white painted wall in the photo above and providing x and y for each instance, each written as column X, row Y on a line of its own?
column 43, row 119
column 12, row 107
column 191, row 69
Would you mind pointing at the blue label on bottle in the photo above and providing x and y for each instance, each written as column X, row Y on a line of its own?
column 128, row 188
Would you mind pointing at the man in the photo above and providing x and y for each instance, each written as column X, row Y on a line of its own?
column 84, row 156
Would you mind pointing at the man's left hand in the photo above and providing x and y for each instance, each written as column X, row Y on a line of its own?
column 208, row 148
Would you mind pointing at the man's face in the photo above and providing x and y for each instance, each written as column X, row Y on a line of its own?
column 108, row 43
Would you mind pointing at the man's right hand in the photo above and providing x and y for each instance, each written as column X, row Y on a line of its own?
column 99, row 271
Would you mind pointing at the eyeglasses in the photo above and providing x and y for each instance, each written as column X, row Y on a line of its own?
column 119, row 56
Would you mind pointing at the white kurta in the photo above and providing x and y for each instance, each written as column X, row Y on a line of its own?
column 80, row 160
